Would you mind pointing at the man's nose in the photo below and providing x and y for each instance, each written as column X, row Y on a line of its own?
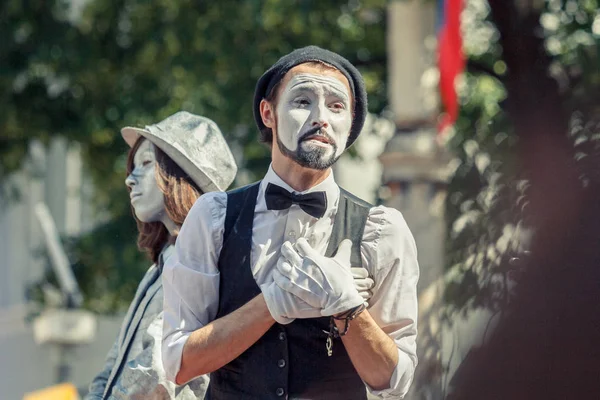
column 318, row 117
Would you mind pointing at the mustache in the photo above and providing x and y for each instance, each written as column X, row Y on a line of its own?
column 317, row 130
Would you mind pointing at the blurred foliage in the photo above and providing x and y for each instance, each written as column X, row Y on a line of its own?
column 487, row 198
column 482, row 226
column 84, row 69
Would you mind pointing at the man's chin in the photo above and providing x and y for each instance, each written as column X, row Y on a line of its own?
column 311, row 161
column 310, row 155
column 313, row 166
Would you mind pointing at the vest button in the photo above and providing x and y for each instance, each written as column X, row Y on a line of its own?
column 281, row 335
column 281, row 363
column 279, row 392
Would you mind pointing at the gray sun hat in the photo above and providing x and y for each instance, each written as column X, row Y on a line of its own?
column 196, row 144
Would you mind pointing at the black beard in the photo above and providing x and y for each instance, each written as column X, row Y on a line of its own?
column 313, row 159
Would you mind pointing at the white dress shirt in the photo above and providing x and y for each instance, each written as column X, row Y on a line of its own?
column 191, row 275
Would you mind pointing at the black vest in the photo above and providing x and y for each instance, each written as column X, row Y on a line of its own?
column 289, row 361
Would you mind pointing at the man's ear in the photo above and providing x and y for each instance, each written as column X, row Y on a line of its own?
column 267, row 113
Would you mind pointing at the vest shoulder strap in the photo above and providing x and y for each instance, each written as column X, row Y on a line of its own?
column 237, row 200
column 349, row 223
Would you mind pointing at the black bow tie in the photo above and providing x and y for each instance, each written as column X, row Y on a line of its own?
column 277, row 198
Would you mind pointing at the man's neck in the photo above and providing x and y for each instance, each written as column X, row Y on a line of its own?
column 298, row 177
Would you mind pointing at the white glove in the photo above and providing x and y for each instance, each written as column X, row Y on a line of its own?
column 322, row 282
column 283, row 306
column 363, row 282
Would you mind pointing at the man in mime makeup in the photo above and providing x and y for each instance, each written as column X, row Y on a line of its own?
column 259, row 292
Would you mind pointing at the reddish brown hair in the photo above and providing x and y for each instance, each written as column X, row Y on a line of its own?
column 180, row 194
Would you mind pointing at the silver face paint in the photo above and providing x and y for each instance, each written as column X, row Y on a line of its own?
column 314, row 116
column 147, row 199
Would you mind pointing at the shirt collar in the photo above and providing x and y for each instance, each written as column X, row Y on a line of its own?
column 331, row 189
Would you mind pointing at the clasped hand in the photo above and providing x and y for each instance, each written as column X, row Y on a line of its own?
column 324, row 283
column 309, row 285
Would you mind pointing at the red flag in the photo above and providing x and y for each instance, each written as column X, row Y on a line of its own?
column 451, row 60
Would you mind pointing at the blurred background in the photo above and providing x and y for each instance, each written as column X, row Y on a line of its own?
column 483, row 131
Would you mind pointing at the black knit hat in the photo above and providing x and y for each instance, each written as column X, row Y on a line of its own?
column 307, row 54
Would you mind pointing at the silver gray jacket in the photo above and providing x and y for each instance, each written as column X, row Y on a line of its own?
column 133, row 368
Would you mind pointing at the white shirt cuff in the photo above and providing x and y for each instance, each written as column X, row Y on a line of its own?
column 400, row 380
column 172, row 351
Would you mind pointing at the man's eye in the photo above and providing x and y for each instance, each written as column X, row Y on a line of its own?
column 302, row 102
column 338, row 106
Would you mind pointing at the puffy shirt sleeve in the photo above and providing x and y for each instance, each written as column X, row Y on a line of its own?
column 191, row 277
column 389, row 254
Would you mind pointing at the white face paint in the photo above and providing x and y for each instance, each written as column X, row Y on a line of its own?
column 146, row 198
column 309, row 101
